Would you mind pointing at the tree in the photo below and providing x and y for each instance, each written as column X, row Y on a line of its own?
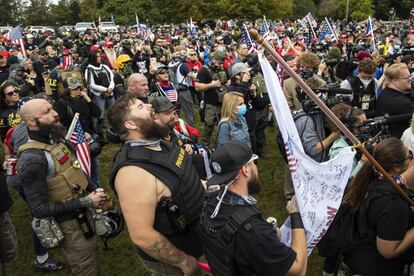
column 37, row 13
column 328, row 8
column 302, row 7
column 358, row 9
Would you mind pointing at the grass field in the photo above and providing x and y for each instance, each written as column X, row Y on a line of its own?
column 121, row 258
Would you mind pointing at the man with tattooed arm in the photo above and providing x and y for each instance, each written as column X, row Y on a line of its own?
column 158, row 188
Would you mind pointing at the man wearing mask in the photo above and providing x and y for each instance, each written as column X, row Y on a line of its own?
column 395, row 98
column 309, row 65
column 363, row 86
column 212, row 82
column 158, row 188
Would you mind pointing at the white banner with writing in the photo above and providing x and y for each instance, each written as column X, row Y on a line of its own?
column 319, row 187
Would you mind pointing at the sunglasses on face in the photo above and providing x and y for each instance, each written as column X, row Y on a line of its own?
column 11, row 93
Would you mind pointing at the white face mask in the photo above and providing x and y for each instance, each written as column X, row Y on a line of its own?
column 365, row 82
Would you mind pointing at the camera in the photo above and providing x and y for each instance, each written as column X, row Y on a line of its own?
column 332, row 62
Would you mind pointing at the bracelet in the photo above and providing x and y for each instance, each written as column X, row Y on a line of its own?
column 296, row 220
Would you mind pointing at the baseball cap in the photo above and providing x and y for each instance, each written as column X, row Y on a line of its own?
column 240, row 67
column 66, row 51
column 363, row 54
column 219, row 55
column 29, row 36
column 73, row 83
column 161, row 104
column 5, row 54
column 227, row 160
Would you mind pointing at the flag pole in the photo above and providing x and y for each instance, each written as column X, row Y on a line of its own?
column 72, row 126
column 372, row 34
column 327, row 111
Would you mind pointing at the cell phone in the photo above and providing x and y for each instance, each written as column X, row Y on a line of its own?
column 153, row 61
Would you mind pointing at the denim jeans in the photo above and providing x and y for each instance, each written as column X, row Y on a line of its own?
column 95, row 171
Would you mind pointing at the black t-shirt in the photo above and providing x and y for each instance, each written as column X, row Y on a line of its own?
column 210, row 96
column 257, row 251
column 390, row 217
column 395, row 102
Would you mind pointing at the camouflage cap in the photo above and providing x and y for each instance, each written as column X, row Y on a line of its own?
column 73, row 83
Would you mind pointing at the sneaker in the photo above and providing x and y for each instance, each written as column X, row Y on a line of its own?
column 49, row 265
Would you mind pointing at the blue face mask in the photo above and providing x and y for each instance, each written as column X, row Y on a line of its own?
column 241, row 110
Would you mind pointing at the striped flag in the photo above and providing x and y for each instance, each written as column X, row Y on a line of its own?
column 16, row 37
column 319, row 187
column 264, row 32
column 370, row 32
column 245, row 38
column 193, row 30
column 83, row 153
column 326, row 29
column 309, row 19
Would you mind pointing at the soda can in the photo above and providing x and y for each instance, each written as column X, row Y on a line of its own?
column 272, row 221
column 11, row 168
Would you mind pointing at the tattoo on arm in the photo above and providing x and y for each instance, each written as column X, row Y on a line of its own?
column 165, row 251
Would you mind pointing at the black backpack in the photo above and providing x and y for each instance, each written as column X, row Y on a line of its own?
column 219, row 244
column 350, row 230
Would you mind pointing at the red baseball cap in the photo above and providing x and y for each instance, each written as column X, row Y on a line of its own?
column 66, row 52
column 5, row 54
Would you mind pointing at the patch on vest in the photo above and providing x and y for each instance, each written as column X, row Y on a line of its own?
column 180, row 158
column 216, row 167
column 62, row 156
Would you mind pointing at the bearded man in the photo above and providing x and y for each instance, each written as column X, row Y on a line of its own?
column 158, row 188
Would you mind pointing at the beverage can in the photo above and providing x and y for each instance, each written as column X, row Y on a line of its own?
column 11, row 168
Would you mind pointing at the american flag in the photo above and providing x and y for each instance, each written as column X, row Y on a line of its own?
column 245, row 38
column 308, row 36
column 370, row 32
column 193, row 29
column 264, row 32
column 271, row 25
column 83, row 152
column 16, row 36
column 66, row 62
column 310, row 19
column 326, row 29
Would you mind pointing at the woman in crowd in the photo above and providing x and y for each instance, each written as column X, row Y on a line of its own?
column 31, row 74
column 352, row 118
column 9, row 98
column 74, row 101
column 100, row 81
column 162, row 86
column 233, row 125
column 389, row 218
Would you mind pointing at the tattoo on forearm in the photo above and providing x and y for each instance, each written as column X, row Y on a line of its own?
column 166, row 252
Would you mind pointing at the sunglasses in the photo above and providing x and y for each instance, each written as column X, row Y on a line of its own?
column 11, row 93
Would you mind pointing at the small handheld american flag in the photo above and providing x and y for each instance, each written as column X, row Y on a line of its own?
column 16, row 36
column 76, row 136
column 245, row 38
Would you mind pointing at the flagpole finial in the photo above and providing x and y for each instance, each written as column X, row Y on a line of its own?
column 255, row 35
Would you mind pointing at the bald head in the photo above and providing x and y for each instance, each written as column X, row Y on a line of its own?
column 138, row 85
column 32, row 108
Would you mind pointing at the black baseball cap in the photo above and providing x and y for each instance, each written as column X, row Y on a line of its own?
column 161, row 104
column 227, row 160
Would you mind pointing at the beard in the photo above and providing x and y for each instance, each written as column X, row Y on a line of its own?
column 254, row 186
column 150, row 130
column 54, row 130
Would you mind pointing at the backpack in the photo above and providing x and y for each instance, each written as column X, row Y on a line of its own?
column 172, row 72
column 220, row 252
column 350, row 230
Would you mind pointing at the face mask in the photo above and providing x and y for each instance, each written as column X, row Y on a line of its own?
column 365, row 82
column 241, row 110
column 306, row 74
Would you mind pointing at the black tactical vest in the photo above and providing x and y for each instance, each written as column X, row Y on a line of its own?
column 218, row 235
column 363, row 98
column 174, row 167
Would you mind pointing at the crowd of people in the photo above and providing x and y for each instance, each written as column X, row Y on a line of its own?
column 186, row 187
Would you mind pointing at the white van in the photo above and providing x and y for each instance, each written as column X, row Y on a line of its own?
column 105, row 27
column 83, row 26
